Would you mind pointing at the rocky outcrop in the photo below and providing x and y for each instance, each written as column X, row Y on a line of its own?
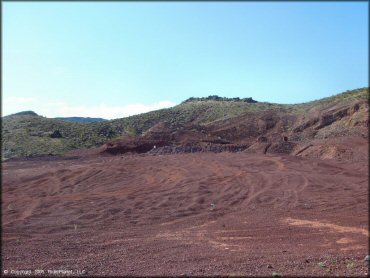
column 131, row 146
column 215, row 148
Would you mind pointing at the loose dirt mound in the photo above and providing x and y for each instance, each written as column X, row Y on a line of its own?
column 189, row 214
column 341, row 148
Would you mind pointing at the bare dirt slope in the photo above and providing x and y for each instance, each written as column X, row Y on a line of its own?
column 187, row 214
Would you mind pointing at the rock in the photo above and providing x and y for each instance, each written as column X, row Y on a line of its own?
column 269, row 266
column 367, row 259
column 56, row 134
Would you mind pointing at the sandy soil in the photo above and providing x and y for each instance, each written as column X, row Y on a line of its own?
column 187, row 214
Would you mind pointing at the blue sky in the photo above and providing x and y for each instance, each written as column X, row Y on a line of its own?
column 117, row 59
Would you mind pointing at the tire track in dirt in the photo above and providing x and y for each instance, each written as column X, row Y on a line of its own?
column 200, row 207
column 329, row 226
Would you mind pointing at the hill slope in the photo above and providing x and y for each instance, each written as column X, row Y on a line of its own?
column 196, row 122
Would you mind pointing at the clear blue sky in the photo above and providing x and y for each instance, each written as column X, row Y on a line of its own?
column 121, row 58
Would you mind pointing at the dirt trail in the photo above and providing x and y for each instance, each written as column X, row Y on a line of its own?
column 191, row 214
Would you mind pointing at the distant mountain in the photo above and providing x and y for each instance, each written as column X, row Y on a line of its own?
column 212, row 119
column 81, row 119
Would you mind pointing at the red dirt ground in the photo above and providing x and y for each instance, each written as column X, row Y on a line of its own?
column 186, row 214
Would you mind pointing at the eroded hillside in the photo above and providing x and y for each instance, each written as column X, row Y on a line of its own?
column 200, row 125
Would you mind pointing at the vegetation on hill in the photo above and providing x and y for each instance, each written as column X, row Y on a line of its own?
column 27, row 134
column 24, row 113
column 217, row 98
column 343, row 98
column 81, row 119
